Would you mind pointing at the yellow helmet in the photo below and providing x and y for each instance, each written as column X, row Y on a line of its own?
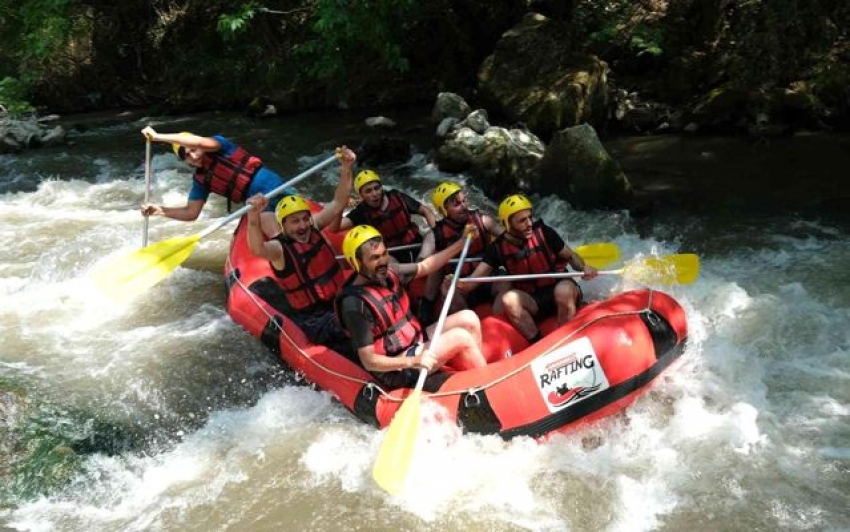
column 510, row 206
column 289, row 205
column 364, row 177
column 355, row 238
column 178, row 149
column 444, row 191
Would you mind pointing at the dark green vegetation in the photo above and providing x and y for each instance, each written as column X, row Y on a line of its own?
column 184, row 55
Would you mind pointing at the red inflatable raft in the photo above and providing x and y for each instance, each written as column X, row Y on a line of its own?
column 588, row 368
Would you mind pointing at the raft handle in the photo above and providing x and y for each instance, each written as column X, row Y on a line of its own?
column 653, row 318
column 471, row 399
column 369, row 391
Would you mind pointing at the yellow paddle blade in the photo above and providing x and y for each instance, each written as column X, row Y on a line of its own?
column 669, row 269
column 127, row 276
column 600, row 254
column 396, row 452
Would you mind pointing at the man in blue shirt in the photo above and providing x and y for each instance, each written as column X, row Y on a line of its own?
column 221, row 167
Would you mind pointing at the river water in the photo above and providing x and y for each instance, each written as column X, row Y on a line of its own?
column 164, row 415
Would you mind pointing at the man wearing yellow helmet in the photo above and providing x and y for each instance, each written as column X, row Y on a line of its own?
column 374, row 309
column 389, row 211
column 531, row 247
column 307, row 273
column 221, row 167
column 450, row 200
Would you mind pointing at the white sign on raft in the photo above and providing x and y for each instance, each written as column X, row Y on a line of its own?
column 569, row 374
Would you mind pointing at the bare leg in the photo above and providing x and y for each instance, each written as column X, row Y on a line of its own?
column 460, row 347
column 566, row 299
column 464, row 319
column 519, row 308
column 458, row 303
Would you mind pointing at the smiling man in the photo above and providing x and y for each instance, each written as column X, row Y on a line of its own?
column 374, row 309
column 304, row 263
column 531, row 247
column 222, row 167
column 450, row 200
column 390, row 212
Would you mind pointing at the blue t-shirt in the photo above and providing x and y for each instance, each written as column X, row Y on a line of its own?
column 264, row 181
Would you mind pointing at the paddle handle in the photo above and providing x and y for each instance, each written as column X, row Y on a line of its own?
column 559, row 275
column 438, row 330
column 147, row 190
column 239, row 212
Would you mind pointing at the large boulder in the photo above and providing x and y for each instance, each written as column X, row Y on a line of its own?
column 449, row 105
column 498, row 160
column 546, row 91
column 17, row 135
column 577, row 167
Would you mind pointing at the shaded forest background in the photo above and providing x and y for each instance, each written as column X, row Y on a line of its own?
column 189, row 55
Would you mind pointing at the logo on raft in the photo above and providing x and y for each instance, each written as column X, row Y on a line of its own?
column 569, row 374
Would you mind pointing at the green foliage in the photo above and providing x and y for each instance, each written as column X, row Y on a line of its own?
column 232, row 25
column 36, row 30
column 646, row 40
column 355, row 30
column 777, row 42
column 13, row 96
column 620, row 24
column 37, row 38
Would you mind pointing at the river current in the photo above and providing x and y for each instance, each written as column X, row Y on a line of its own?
column 162, row 414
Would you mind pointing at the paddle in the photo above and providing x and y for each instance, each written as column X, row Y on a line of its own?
column 669, row 269
column 395, row 455
column 124, row 277
column 147, row 189
column 597, row 255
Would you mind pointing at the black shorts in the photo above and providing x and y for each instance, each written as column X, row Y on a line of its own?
column 545, row 299
column 407, row 378
column 483, row 293
column 322, row 327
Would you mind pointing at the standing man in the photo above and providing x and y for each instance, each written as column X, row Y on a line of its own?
column 221, row 167
column 449, row 198
column 390, row 212
column 375, row 310
column 529, row 247
column 303, row 262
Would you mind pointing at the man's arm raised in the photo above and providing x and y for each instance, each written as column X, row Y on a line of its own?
column 270, row 250
column 332, row 212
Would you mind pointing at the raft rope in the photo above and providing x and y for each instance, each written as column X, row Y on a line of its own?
column 263, row 306
column 469, row 391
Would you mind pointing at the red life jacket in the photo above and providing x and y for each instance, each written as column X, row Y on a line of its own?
column 395, row 329
column 229, row 176
column 395, row 223
column 315, row 276
column 531, row 256
column 447, row 232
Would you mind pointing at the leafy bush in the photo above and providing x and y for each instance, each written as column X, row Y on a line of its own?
column 13, row 96
column 356, row 30
column 231, row 25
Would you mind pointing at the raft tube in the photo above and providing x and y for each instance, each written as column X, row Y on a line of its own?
column 591, row 367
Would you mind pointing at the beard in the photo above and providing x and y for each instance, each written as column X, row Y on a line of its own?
column 378, row 276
